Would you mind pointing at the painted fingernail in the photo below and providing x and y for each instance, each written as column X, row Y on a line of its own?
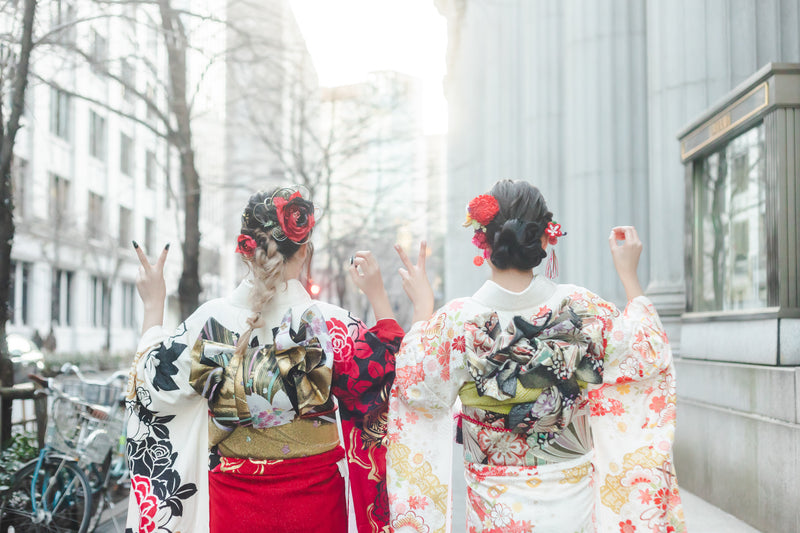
column 166, row 247
column 135, row 244
column 351, row 259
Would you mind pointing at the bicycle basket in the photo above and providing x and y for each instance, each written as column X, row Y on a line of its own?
column 95, row 393
column 86, row 433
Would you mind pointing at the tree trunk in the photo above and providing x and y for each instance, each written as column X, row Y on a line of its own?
column 8, row 136
column 189, row 285
column 176, row 42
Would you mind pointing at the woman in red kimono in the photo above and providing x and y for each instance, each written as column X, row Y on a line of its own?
column 233, row 422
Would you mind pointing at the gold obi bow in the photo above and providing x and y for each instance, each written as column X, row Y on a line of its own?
column 269, row 385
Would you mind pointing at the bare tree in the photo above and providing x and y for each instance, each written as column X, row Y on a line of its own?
column 14, row 69
column 170, row 117
column 349, row 146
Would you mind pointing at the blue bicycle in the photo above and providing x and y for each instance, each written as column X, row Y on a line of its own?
column 66, row 488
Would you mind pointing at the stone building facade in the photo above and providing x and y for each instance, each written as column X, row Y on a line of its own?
column 586, row 100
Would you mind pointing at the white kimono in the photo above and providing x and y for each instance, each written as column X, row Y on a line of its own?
column 568, row 415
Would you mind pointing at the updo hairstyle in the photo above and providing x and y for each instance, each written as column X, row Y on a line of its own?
column 516, row 231
column 268, row 262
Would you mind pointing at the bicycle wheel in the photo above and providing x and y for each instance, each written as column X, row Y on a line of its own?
column 61, row 499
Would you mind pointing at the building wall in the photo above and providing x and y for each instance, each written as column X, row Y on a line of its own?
column 48, row 238
column 585, row 99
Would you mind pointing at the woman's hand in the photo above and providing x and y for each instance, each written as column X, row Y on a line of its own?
column 152, row 288
column 366, row 274
column 626, row 258
column 416, row 284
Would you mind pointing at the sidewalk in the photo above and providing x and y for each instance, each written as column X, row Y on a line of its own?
column 702, row 517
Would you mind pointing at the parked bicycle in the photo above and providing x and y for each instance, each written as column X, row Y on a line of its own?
column 68, row 486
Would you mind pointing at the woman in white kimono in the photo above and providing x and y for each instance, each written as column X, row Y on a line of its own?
column 567, row 408
column 232, row 421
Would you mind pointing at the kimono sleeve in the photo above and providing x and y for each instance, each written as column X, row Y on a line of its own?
column 430, row 371
column 633, row 420
column 167, row 434
column 363, row 371
column 160, row 372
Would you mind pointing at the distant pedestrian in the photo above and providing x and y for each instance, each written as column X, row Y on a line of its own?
column 49, row 342
column 36, row 339
column 567, row 405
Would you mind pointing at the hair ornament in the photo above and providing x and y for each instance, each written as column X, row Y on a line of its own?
column 246, row 245
column 481, row 210
column 294, row 215
column 553, row 231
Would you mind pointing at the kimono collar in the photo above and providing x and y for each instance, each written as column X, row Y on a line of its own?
column 493, row 295
column 293, row 294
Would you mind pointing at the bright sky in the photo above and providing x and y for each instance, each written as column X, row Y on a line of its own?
column 349, row 38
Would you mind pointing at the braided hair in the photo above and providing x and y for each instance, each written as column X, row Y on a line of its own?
column 262, row 220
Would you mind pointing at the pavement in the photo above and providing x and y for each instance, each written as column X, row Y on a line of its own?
column 701, row 517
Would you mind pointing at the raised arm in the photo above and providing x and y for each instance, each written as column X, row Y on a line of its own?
column 152, row 288
column 415, row 282
column 626, row 258
column 366, row 274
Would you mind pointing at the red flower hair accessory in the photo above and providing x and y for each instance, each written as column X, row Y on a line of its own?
column 553, row 231
column 295, row 216
column 481, row 210
column 246, row 245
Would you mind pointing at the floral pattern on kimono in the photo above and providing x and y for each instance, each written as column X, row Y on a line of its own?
column 591, row 454
column 167, row 400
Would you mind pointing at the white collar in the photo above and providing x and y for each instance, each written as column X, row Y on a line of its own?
column 493, row 295
column 291, row 294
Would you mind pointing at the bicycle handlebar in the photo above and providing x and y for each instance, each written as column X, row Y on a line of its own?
column 68, row 368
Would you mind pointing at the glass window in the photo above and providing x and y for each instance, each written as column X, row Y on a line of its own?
column 125, row 219
column 128, row 304
column 64, row 16
column 150, row 170
column 96, row 220
column 60, row 188
column 128, row 79
column 149, row 235
column 730, row 253
column 97, row 136
column 126, row 155
column 99, row 52
column 60, row 114
column 100, row 301
column 61, row 297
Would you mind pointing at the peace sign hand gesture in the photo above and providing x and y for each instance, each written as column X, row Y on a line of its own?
column 416, row 283
column 152, row 288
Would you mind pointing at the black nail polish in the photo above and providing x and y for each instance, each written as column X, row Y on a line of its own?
column 351, row 259
column 135, row 244
column 166, row 247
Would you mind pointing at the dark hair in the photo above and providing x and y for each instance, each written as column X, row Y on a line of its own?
column 260, row 218
column 516, row 231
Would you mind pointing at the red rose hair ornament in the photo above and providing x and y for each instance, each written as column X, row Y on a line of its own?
column 246, row 245
column 295, row 216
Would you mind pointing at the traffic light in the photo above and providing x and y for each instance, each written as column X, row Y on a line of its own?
column 314, row 288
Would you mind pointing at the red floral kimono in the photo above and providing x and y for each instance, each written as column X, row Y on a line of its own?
column 223, row 442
